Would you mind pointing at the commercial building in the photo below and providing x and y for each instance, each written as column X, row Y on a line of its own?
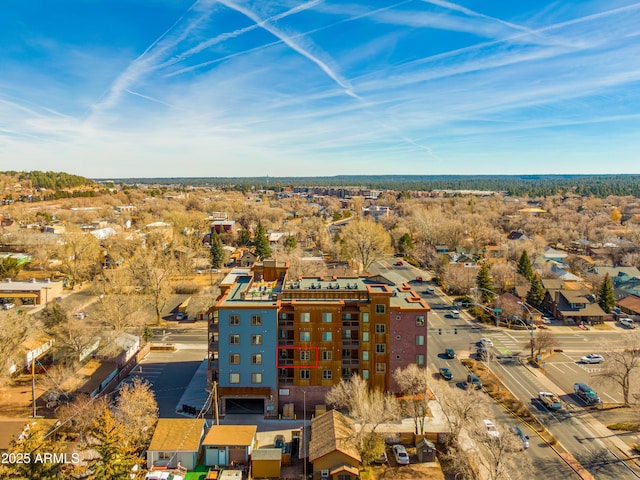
column 275, row 341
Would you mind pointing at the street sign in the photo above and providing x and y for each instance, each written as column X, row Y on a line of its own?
column 497, row 310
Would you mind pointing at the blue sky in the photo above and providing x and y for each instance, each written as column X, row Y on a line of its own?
column 140, row 88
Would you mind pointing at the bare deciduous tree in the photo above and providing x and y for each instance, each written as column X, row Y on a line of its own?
column 413, row 382
column 543, row 341
column 14, row 330
column 77, row 417
column 365, row 242
column 459, row 407
column 138, row 410
column 501, row 456
column 151, row 270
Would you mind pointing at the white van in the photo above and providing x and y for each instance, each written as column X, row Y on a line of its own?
column 627, row 322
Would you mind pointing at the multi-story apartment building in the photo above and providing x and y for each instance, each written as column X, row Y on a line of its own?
column 276, row 341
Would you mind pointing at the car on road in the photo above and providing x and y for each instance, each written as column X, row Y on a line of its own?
column 521, row 435
column 592, row 358
column 492, row 430
column 586, row 393
column 399, row 263
column 429, row 291
column 486, row 342
column 450, row 353
column 401, row 455
column 474, row 381
column 446, row 373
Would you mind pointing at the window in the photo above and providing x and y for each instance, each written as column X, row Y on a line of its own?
column 327, row 317
column 346, row 334
column 234, row 319
column 365, row 374
column 305, row 336
column 256, row 339
column 256, row 378
column 234, row 378
column 346, row 316
column 305, row 374
column 344, row 476
column 419, row 359
column 234, row 339
column 365, row 355
column 256, row 359
column 324, row 473
column 381, row 348
column 365, row 317
column 256, row 320
column 305, row 355
column 380, row 328
column 234, row 359
column 419, row 339
column 327, row 355
column 327, row 374
column 305, row 317
column 327, row 336
column 380, row 308
column 420, row 321
column 381, row 367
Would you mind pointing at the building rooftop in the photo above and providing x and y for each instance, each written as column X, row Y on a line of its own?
column 177, row 434
column 231, row 435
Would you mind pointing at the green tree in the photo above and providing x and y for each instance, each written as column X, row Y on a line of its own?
column 405, row 244
column 261, row 242
column 244, row 237
column 217, row 251
column 33, row 445
column 606, row 298
column 485, row 284
column 117, row 456
column 524, row 266
column 536, row 294
column 9, row 267
column 290, row 243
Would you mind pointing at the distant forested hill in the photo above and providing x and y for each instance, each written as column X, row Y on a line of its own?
column 519, row 185
column 50, row 180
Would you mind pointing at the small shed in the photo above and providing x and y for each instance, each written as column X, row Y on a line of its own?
column 175, row 441
column 266, row 463
column 426, row 451
column 229, row 444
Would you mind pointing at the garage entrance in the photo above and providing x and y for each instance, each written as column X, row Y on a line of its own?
column 249, row 406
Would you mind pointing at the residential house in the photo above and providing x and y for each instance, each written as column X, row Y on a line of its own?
column 331, row 449
column 229, row 444
column 376, row 212
column 275, row 341
column 224, row 226
column 32, row 292
column 577, row 306
column 630, row 305
column 175, row 441
column 247, row 258
column 517, row 236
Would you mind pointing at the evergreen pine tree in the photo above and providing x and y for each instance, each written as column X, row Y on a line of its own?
column 485, row 284
column 405, row 244
column 524, row 266
column 606, row 297
column 244, row 238
column 290, row 244
column 117, row 458
column 217, row 252
column 261, row 242
column 536, row 294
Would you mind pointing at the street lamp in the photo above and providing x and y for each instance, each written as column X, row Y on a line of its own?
column 530, row 324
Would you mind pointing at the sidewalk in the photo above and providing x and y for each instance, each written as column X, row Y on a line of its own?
column 195, row 396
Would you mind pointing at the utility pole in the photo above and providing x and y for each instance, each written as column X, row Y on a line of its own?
column 215, row 402
column 304, row 424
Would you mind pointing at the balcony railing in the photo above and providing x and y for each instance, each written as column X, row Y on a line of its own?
column 351, row 362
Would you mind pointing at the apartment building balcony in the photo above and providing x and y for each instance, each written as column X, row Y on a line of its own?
column 350, row 362
column 350, row 342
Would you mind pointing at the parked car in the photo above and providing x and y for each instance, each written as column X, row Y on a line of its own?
column 8, row 306
column 429, row 291
column 401, row 455
column 492, row 430
column 446, row 373
column 180, row 316
column 486, row 342
column 399, row 263
column 419, row 279
column 586, row 393
column 546, row 320
column 474, row 381
column 450, row 353
column 627, row 322
column 592, row 358
column 522, row 436
column 382, row 459
column 454, row 314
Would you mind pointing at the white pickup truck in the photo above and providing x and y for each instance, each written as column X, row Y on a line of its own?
column 551, row 400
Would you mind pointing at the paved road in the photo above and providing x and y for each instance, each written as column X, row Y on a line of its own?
column 169, row 372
